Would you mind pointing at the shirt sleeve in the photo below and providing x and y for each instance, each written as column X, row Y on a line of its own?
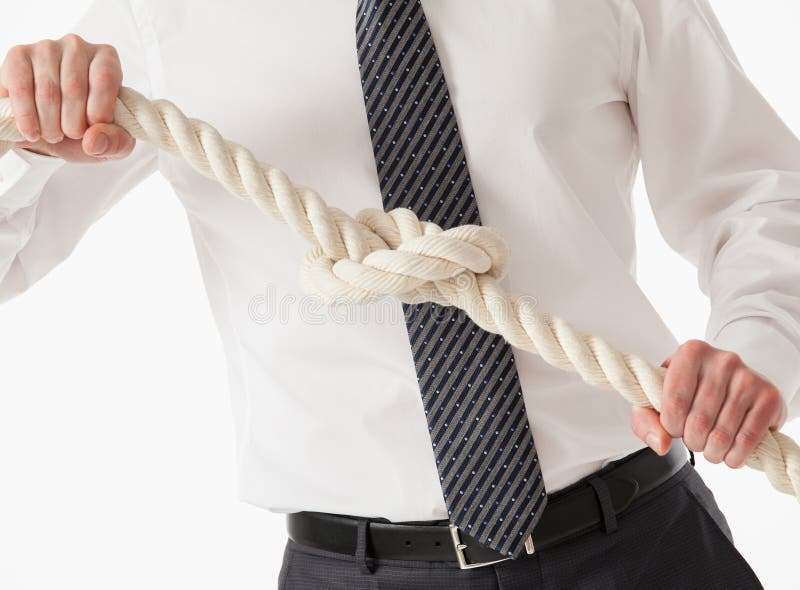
column 47, row 204
column 722, row 174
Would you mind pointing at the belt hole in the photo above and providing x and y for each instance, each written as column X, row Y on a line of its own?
column 438, row 544
column 408, row 543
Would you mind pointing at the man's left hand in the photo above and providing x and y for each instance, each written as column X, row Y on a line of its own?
column 716, row 403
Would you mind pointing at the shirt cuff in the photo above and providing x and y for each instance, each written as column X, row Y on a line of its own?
column 763, row 348
column 23, row 175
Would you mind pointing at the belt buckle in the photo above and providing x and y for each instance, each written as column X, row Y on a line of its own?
column 462, row 559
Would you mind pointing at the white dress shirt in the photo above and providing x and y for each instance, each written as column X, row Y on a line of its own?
column 557, row 101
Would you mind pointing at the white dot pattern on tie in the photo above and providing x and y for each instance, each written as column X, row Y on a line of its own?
column 483, row 446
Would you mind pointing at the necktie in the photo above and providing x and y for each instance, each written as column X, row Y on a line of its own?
column 483, row 446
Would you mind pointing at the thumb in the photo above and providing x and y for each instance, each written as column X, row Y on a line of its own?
column 646, row 424
column 107, row 141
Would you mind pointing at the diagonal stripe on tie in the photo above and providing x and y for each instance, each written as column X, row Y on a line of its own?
column 484, row 449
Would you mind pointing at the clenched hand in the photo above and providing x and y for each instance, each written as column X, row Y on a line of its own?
column 62, row 97
column 712, row 400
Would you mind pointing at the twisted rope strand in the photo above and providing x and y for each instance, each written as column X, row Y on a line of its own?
column 363, row 258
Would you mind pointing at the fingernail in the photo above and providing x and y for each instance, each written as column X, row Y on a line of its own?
column 32, row 135
column 652, row 440
column 100, row 145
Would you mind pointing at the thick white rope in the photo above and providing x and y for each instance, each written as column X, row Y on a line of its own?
column 358, row 260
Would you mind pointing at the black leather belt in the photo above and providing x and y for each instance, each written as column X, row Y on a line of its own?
column 569, row 512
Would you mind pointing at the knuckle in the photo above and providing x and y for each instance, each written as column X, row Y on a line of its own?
column 20, row 88
column 747, row 438
column 699, row 424
column 739, row 401
column 720, row 437
column 768, row 407
column 47, row 48
column 26, row 118
column 107, row 49
column 72, row 41
column 108, row 52
column 17, row 53
column 771, row 397
column 695, row 346
column 107, row 76
column 73, row 87
column 47, row 91
column 26, row 122
column 728, row 360
column 746, row 380
column 675, row 403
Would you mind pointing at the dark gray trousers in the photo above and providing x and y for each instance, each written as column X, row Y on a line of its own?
column 674, row 537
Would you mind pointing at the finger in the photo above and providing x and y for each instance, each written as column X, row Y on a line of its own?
column 108, row 141
column 646, row 424
column 774, row 398
column 17, row 77
column 46, row 57
column 756, row 422
column 708, row 399
column 737, row 401
column 105, row 79
column 74, row 87
column 680, row 384
column 67, row 149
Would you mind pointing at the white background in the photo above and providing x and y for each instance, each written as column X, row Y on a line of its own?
column 106, row 481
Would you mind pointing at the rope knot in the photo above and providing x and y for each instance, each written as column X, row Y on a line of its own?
column 420, row 261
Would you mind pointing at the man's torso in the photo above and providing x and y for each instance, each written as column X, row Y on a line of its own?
column 326, row 403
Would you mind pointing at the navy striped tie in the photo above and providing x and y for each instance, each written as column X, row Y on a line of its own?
column 484, row 450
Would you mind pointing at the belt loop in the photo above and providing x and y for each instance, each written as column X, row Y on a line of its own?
column 691, row 457
column 361, row 548
column 604, row 498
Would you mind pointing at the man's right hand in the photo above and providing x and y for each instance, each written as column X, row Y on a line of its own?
column 62, row 97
